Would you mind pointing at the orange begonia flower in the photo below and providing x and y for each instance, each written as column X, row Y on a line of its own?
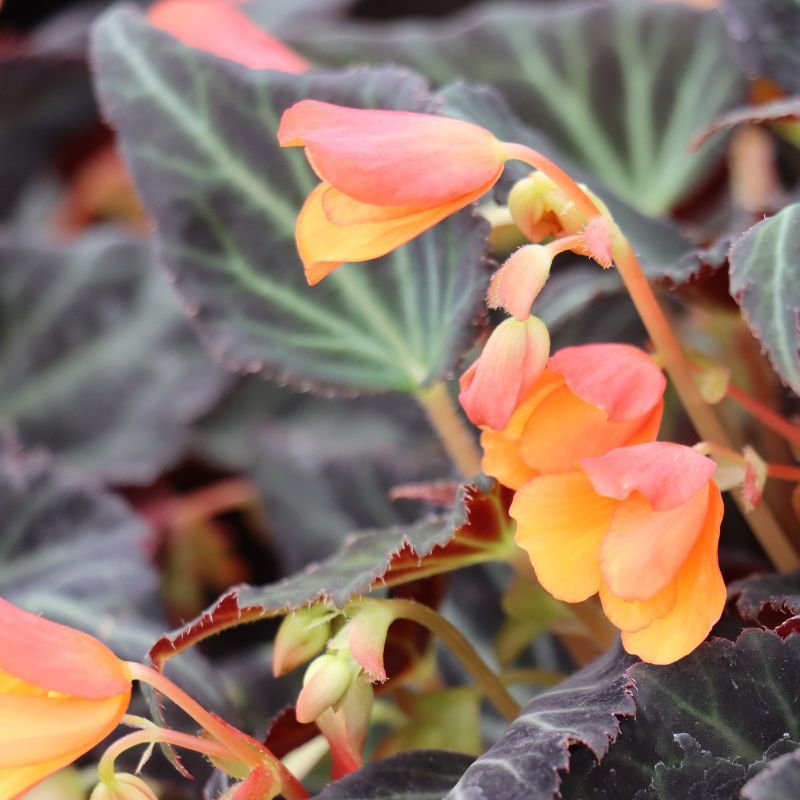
column 590, row 399
column 640, row 525
column 217, row 27
column 387, row 176
column 61, row 692
column 505, row 372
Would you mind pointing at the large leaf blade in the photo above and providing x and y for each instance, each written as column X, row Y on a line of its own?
column 199, row 135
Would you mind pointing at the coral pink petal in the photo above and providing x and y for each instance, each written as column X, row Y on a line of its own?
column 667, row 474
column 258, row 784
column 393, row 158
column 643, row 549
column 621, row 379
column 218, row 28
column 58, row 658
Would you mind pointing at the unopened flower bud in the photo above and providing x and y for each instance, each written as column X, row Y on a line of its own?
column 518, row 282
column 324, row 684
column 366, row 635
column 540, row 209
column 514, row 357
column 300, row 637
column 123, row 787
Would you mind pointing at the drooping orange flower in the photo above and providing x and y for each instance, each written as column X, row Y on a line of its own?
column 590, row 399
column 640, row 525
column 509, row 366
column 387, row 176
column 217, row 27
column 61, row 693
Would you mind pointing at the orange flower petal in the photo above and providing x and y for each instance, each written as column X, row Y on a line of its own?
column 565, row 428
column 58, row 658
column 633, row 615
column 644, row 549
column 621, row 379
column 40, row 729
column 561, row 521
column 667, row 474
column 501, row 460
column 323, row 245
column 393, row 158
column 343, row 210
column 700, row 600
column 16, row 780
column 218, row 28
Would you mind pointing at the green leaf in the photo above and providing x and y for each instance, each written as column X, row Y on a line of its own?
column 199, row 135
column 765, row 282
column 709, row 721
column 664, row 251
column 585, row 709
column 416, row 775
column 621, row 88
column 766, row 33
column 97, row 362
column 780, row 780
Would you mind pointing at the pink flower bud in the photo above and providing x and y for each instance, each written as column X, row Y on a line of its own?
column 512, row 360
column 366, row 635
column 518, row 282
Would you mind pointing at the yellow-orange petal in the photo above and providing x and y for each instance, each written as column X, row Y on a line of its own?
column 58, row 658
column 16, row 780
column 323, row 245
column 633, row 615
column 565, row 428
column 218, row 28
column 561, row 522
column 39, row 729
column 501, row 460
column 644, row 549
column 393, row 158
column 700, row 600
column 343, row 210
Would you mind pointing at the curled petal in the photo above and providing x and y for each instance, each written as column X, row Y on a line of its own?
column 700, row 600
column 621, row 379
column 393, row 158
column 667, row 474
column 561, row 522
column 218, row 28
column 644, row 549
column 634, row 615
column 58, row 658
column 324, row 245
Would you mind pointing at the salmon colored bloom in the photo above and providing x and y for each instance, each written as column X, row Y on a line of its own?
column 387, row 176
column 640, row 525
column 590, row 399
column 61, row 693
column 505, row 372
column 218, row 28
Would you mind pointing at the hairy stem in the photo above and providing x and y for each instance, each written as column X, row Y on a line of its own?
column 765, row 415
column 449, row 425
column 247, row 750
column 489, row 682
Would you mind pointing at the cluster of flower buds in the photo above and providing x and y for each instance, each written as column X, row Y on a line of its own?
column 337, row 691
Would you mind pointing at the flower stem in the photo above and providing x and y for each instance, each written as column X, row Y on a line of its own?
column 784, row 472
column 106, row 769
column 247, row 750
column 566, row 183
column 763, row 524
column 491, row 685
column 764, row 414
column 450, row 427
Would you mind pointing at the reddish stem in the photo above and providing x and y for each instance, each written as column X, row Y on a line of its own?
column 765, row 414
